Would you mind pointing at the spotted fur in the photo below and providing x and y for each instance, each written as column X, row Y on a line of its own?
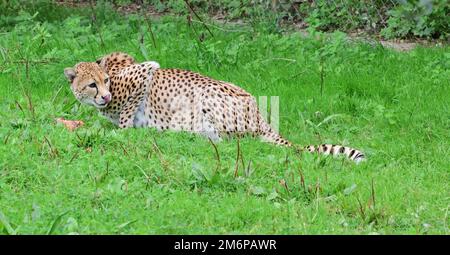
column 144, row 95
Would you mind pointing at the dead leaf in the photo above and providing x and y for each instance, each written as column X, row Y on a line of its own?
column 71, row 125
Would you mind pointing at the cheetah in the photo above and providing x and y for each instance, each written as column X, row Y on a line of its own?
column 132, row 94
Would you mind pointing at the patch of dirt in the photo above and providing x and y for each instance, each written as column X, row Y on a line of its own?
column 124, row 9
column 399, row 46
column 73, row 3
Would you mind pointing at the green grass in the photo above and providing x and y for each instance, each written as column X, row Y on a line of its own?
column 393, row 106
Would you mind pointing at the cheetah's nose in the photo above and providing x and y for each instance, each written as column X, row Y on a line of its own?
column 106, row 98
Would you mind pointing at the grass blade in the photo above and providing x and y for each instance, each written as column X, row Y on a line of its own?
column 56, row 223
column 5, row 222
column 124, row 225
column 329, row 118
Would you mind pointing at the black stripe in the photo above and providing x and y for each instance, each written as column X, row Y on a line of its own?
column 351, row 153
column 342, row 149
column 360, row 155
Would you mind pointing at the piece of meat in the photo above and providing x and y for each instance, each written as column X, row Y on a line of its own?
column 71, row 125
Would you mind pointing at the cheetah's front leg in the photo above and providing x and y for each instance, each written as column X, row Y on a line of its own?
column 145, row 70
column 128, row 113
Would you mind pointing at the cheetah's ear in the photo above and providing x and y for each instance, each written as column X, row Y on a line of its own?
column 70, row 74
column 102, row 63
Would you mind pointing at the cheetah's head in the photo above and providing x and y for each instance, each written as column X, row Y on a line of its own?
column 89, row 83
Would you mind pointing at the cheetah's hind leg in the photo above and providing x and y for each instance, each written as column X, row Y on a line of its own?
column 208, row 130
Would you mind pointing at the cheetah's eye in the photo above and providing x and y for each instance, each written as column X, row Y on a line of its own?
column 92, row 85
column 106, row 80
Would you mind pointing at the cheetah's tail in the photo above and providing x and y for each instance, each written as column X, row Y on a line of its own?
column 336, row 150
column 325, row 149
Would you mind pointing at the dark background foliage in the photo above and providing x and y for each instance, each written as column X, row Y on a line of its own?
column 382, row 18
